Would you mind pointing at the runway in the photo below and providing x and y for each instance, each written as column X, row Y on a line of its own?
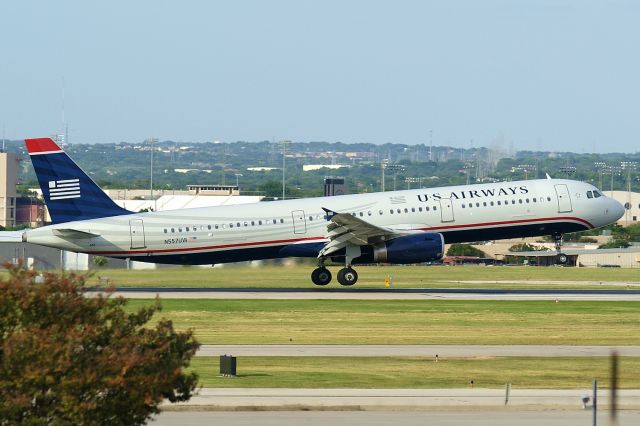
column 493, row 417
column 375, row 294
column 429, row 351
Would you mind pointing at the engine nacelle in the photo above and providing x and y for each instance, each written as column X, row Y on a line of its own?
column 415, row 248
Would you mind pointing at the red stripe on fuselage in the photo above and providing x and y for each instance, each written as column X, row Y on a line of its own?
column 296, row 240
column 41, row 145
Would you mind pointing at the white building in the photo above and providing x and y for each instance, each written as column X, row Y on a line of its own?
column 631, row 201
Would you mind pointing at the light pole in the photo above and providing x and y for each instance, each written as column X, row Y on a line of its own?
column 155, row 205
column 284, row 156
column 383, row 166
column 238, row 175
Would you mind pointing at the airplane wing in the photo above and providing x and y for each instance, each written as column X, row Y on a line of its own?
column 73, row 234
column 345, row 229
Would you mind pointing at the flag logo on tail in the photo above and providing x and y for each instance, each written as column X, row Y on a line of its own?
column 63, row 189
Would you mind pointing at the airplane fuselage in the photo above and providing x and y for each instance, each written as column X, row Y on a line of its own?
column 298, row 227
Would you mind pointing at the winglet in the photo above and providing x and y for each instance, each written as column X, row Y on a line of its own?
column 548, row 177
column 329, row 213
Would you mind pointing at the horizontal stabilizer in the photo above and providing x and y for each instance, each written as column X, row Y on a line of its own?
column 73, row 234
column 11, row 236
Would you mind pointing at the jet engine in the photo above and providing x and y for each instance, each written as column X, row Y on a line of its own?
column 414, row 248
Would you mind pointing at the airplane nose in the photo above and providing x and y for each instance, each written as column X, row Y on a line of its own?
column 616, row 210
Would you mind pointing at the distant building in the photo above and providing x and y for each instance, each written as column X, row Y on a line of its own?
column 9, row 169
column 631, row 201
column 312, row 167
column 334, row 186
column 262, row 169
column 213, row 190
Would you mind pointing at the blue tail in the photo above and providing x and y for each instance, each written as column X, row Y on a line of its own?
column 68, row 192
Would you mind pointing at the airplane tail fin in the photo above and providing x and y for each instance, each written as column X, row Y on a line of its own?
column 67, row 190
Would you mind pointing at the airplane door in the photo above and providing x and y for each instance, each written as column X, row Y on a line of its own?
column 564, row 200
column 299, row 222
column 136, row 226
column 446, row 210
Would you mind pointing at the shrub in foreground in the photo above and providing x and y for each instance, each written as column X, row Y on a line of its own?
column 70, row 359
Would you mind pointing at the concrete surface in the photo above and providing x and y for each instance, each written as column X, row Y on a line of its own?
column 250, row 399
column 385, row 418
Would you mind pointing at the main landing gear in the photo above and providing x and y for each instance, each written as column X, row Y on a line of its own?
column 347, row 276
column 561, row 258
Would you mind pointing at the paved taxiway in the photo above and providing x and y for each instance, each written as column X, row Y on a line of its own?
column 246, row 399
column 384, row 418
column 443, row 351
column 377, row 294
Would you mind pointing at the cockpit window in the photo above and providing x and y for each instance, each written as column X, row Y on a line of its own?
column 589, row 194
column 596, row 194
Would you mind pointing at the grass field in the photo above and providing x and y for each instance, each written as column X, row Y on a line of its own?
column 218, row 321
column 374, row 276
column 406, row 372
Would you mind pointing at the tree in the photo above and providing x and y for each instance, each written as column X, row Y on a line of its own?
column 100, row 261
column 525, row 247
column 70, row 359
column 464, row 250
column 615, row 243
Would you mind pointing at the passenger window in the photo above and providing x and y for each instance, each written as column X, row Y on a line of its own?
column 216, row 226
column 499, row 203
column 426, row 209
column 548, row 198
column 380, row 212
column 463, row 205
column 470, row 205
column 369, row 212
column 173, row 230
column 492, row 203
column 434, row 208
column 165, row 230
column 274, row 221
column 419, row 209
column 259, row 222
column 399, row 211
column 179, row 229
column 484, row 203
column 534, row 199
column 361, row 214
column 231, row 225
column 406, row 210
column 413, row 209
column 527, row 201
column 520, row 200
column 391, row 211
column 209, row 227
column 281, row 220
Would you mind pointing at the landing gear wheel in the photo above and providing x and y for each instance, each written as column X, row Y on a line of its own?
column 561, row 258
column 321, row 276
column 347, row 276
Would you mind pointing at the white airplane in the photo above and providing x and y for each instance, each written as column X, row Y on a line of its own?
column 388, row 227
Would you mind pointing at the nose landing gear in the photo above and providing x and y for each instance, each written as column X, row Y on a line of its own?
column 561, row 258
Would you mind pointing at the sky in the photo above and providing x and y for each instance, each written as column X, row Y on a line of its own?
column 545, row 74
